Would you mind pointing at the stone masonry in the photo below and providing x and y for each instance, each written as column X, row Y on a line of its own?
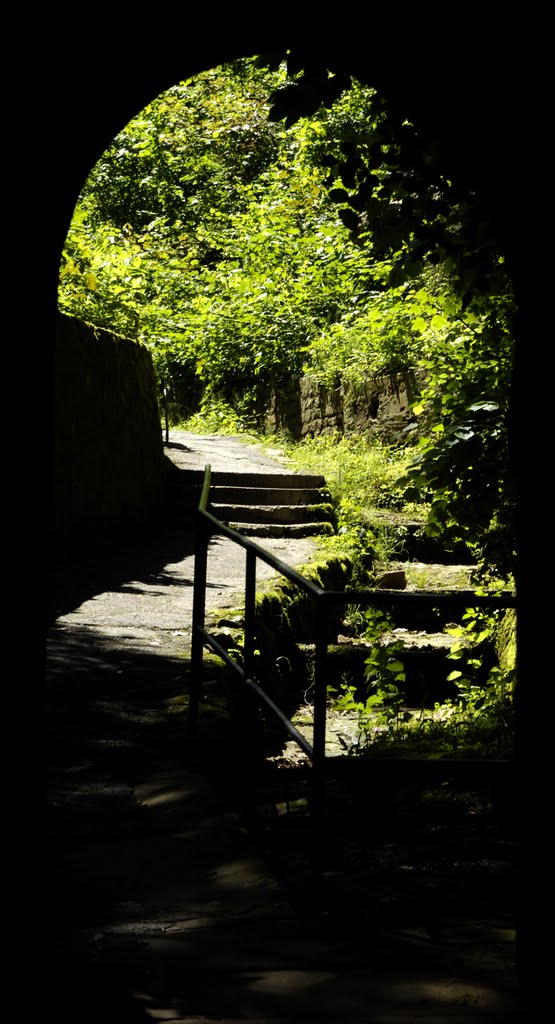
column 379, row 407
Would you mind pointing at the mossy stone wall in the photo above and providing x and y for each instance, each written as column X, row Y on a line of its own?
column 378, row 407
column 285, row 616
column 107, row 449
column 506, row 641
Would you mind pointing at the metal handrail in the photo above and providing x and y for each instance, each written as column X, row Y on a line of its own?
column 166, row 418
column 207, row 525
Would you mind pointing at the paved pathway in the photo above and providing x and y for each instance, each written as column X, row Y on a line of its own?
column 162, row 907
column 194, row 451
column 147, row 599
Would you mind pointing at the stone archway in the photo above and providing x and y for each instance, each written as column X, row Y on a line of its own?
column 468, row 94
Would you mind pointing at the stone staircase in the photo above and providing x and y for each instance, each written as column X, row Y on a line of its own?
column 254, row 504
column 419, row 635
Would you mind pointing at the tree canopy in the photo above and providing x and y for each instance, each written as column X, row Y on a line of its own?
column 271, row 216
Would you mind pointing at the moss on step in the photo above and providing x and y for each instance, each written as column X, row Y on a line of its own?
column 324, row 512
column 505, row 641
column 285, row 615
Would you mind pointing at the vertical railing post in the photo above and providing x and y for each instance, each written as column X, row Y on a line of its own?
column 199, row 603
column 250, row 596
column 165, row 396
column 319, row 748
column 246, row 700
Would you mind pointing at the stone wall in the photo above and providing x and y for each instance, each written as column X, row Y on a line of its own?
column 379, row 407
column 107, row 451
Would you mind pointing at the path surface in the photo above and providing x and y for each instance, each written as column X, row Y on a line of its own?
column 194, row 451
column 148, row 602
column 162, row 906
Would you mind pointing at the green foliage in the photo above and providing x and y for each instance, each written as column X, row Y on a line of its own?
column 215, row 417
column 265, row 218
column 204, row 230
column 463, row 465
column 397, row 193
column 479, row 722
column 478, row 659
column 376, row 335
column 361, row 477
column 435, row 253
column 384, row 672
column 361, row 474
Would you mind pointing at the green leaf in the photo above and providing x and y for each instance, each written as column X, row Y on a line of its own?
column 395, row 666
column 433, row 529
column 485, row 406
column 439, row 321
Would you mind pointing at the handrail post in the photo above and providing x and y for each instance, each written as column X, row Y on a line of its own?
column 250, row 597
column 246, row 699
column 165, row 394
column 319, row 748
column 202, row 534
column 199, row 600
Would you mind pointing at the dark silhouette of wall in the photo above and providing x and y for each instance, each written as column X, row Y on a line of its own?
column 107, row 441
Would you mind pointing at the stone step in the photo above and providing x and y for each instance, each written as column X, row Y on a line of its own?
column 255, row 504
column 221, row 478
column 253, row 498
column 227, row 495
column 406, row 540
column 262, row 521
column 272, row 513
column 424, row 657
column 316, row 529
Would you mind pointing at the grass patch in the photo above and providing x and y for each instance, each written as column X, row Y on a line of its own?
column 437, row 577
column 216, row 417
column 361, row 474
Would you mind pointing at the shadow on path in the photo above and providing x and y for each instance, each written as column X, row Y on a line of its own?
column 113, row 568
column 162, row 903
column 163, row 906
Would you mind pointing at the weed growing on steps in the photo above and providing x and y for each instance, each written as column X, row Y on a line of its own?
column 361, row 477
column 384, row 675
column 438, row 577
column 361, row 474
column 478, row 722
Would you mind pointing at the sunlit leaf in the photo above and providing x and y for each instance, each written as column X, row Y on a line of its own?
column 485, row 406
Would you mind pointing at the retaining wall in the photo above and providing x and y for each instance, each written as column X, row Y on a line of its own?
column 379, row 407
column 106, row 451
